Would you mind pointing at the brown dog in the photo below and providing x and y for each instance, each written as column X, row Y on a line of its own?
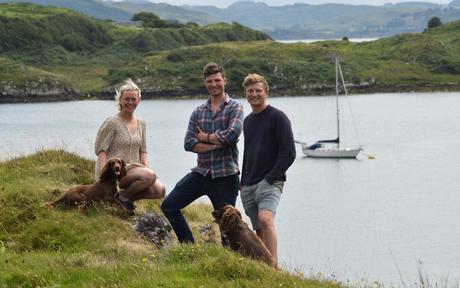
column 103, row 190
column 241, row 238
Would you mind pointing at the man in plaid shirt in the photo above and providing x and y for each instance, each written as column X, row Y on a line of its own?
column 212, row 133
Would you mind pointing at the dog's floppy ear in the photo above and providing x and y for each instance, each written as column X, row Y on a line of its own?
column 218, row 214
column 233, row 209
column 106, row 170
column 123, row 169
column 230, row 218
column 238, row 213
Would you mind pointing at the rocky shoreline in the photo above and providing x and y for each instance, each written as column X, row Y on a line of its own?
column 62, row 93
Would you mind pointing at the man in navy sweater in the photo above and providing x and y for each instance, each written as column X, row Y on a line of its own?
column 269, row 150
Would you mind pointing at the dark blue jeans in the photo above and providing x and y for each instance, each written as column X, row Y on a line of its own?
column 221, row 191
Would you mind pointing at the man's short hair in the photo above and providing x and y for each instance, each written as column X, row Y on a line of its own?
column 213, row 68
column 253, row 79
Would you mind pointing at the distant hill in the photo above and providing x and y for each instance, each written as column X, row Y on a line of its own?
column 333, row 20
column 92, row 8
column 455, row 4
column 50, row 53
column 124, row 10
column 165, row 11
column 295, row 21
column 166, row 62
column 30, row 27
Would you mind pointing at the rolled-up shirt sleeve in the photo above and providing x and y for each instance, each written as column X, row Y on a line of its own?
column 190, row 136
column 104, row 137
column 232, row 133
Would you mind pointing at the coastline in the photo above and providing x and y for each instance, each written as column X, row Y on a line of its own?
column 311, row 90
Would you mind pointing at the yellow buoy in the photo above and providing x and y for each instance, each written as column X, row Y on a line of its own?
column 370, row 157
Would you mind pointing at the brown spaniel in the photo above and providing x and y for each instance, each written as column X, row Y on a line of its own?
column 240, row 237
column 103, row 190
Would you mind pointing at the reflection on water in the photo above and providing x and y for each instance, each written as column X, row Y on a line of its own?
column 355, row 220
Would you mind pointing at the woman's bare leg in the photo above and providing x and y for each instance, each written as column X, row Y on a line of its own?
column 141, row 183
column 155, row 191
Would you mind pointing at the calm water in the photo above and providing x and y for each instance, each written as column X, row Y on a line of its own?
column 352, row 220
column 357, row 40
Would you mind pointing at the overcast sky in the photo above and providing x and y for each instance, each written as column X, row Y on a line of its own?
column 225, row 3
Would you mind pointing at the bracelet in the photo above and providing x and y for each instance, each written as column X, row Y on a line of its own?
column 207, row 138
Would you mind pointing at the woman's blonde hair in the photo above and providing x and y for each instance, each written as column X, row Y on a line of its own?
column 128, row 85
column 253, row 79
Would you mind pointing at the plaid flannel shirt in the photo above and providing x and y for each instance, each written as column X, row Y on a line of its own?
column 227, row 124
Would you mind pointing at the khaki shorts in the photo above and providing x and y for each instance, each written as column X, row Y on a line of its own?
column 259, row 197
column 128, row 167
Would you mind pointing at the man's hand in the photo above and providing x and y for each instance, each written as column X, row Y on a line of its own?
column 209, row 138
column 201, row 136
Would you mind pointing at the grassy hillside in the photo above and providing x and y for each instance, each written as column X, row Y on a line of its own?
column 123, row 11
column 93, row 8
column 291, row 21
column 164, row 10
column 86, row 61
column 80, row 51
column 23, row 83
column 31, row 27
column 67, row 248
column 423, row 61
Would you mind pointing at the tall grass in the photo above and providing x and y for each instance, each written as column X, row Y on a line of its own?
column 98, row 247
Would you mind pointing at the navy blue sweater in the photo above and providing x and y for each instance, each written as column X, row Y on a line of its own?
column 269, row 147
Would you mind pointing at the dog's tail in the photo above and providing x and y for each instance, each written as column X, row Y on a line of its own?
column 52, row 204
column 49, row 205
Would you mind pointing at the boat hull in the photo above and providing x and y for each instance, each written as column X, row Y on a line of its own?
column 332, row 153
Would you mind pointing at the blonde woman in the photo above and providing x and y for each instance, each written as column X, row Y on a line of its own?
column 124, row 135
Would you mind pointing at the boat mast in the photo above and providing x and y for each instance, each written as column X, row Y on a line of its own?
column 337, row 98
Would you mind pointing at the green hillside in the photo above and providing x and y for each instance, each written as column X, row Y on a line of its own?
column 93, row 8
column 34, row 27
column 423, row 61
column 164, row 10
column 98, row 248
column 87, row 59
column 23, row 83
column 290, row 21
column 82, row 50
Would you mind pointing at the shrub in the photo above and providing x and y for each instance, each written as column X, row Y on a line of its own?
column 74, row 32
column 434, row 22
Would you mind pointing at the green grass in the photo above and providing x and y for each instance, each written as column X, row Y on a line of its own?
column 98, row 248
column 20, row 10
column 87, row 54
column 408, row 61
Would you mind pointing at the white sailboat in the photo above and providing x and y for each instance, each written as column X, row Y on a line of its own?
column 332, row 148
